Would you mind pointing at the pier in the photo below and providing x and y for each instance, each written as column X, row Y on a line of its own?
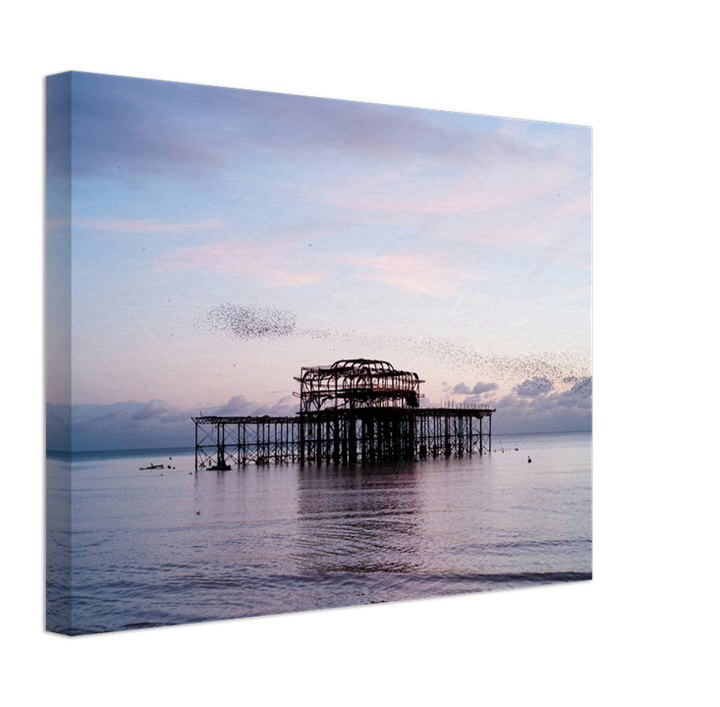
column 353, row 412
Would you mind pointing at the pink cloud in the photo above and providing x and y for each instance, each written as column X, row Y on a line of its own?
column 55, row 225
column 581, row 205
column 414, row 272
column 143, row 225
column 484, row 188
column 276, row 264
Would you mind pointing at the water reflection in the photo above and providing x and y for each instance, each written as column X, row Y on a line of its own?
column 358, row 519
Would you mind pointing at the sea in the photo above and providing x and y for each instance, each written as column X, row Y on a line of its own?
column 159, row 547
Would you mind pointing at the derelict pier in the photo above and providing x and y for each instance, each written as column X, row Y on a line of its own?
column 356, row 411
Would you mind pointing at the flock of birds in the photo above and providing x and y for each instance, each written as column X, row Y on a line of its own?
column 546, row 371
column 249, row 322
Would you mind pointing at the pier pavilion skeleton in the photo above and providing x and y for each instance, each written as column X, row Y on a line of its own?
column 355, row 411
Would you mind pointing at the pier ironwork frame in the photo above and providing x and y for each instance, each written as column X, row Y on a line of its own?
column 354, row 411
column 357, row 383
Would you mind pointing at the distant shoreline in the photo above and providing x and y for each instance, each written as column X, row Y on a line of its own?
column 104, row 453
column 169, row 451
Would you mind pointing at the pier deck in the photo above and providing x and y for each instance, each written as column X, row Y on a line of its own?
column 347, row 436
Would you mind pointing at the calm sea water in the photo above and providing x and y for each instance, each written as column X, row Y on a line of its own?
column 172, row 546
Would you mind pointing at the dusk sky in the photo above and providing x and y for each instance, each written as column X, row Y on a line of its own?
column 222, row 239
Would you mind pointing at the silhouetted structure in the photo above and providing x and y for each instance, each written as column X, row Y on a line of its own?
column 358, row 383
column 354, row 411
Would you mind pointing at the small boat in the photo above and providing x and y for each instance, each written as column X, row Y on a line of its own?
column 152, row 466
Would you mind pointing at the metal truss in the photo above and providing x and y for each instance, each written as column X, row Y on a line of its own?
column 357, row 383
column 353, row 411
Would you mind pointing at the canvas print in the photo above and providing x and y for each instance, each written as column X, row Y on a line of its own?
column 306, row 353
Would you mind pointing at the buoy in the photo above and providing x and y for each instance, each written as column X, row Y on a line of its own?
column 529, row 460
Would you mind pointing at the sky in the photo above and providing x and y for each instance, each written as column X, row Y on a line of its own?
column 220, row 239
